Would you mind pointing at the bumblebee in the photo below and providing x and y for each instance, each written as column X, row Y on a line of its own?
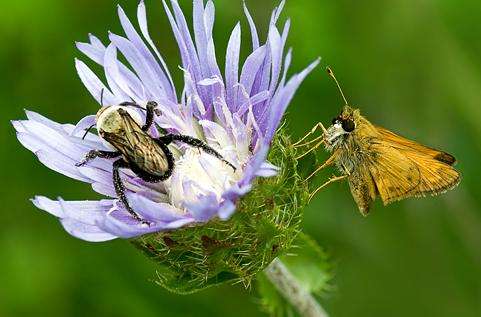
column 149, row 158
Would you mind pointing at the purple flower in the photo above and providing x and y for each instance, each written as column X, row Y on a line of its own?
column 236, row 111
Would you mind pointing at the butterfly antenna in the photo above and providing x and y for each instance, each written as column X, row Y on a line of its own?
column 331, row 73
column 87, row 131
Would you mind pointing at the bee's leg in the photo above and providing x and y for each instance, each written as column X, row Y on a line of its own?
column 130, row 104
column 314, row 129
column 170, row 159
column 149, row 119
column 327, row 163
column 120, row 188
column 169, row 138
column 97, row 153
column 330, row 181
column 150, row 111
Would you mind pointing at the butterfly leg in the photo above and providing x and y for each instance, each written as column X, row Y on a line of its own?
column 327, row 163
column 312, row 148
column 313, row 130
column 331, row 180
column 120, row 188
column 346, row 171
column 316, row 140
column 97, row 153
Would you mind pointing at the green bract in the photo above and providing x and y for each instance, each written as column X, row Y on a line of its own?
column 264, row 227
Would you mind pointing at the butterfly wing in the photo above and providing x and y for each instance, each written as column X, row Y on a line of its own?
column 395, row 176
column 402, row 168
column 404, row 144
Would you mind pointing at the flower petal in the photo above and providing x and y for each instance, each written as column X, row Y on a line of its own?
column 282, row 99
column 94, row 53
column 204, row 208
column 60, row 164
column 93, row 84
column 193, row 66
column 267, row 170
column 78, row 217
column 232, row 66
column 252, row 25
column 140, row 65
column 226, row 210
column 85, row 232
column 142, row 18
column 82, row 125
column 251, row 68
column 276, row 48
column 125, row 228
column 48, row 205
column 154, row 212
column 160, row 78
column 112, row 73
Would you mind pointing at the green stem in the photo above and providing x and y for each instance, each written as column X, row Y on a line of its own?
column 287, row 284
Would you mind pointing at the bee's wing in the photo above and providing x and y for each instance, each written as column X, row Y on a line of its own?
column 141, row 150
column 402, row 168
column 117, row 140
column 130, row 136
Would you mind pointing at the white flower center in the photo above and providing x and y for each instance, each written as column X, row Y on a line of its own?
column 198, row 174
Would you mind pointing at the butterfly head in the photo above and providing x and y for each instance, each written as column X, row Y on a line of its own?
column 342, row 126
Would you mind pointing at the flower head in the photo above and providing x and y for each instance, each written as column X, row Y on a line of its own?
column 236, row 111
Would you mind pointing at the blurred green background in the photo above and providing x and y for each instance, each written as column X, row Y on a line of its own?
column 413, row 66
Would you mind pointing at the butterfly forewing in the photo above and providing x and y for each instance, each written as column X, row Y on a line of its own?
column 404, row 144
column 402, row 168
column 396, row 177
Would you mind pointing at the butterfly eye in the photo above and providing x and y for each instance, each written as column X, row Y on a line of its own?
column 348, row 125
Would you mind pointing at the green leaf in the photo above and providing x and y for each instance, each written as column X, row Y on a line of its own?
column 271, row 300
column 308, row 263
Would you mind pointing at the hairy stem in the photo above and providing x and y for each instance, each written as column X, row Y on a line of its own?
column 287, row 284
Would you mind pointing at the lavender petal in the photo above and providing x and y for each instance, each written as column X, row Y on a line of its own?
column 232, row 66
column 93, row 84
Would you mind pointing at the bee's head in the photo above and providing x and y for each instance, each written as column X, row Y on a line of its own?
column 109, row 118
column 342, row 126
